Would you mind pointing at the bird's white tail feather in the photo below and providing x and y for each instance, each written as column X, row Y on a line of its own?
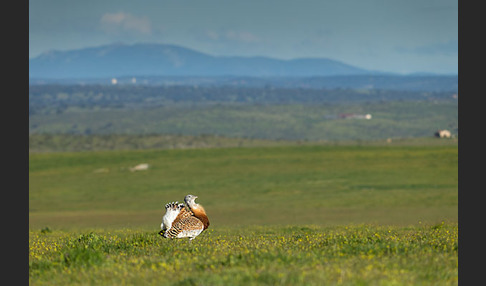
column 172, row 210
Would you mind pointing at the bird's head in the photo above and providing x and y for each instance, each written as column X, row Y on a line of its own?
column 190, row 200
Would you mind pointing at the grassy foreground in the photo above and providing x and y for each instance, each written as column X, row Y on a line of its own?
column 283, row 215
column 285, row 255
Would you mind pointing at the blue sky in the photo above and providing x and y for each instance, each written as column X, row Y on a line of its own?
column 385, row 35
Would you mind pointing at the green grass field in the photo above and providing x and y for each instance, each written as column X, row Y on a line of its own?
column 313, row 215
column 262, row 255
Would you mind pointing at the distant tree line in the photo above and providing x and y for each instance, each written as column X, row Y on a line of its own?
column 57, row 98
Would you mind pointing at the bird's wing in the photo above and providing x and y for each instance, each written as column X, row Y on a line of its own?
column 183, row 213
column 187, row 223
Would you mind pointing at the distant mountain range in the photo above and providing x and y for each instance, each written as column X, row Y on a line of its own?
column 121, row 60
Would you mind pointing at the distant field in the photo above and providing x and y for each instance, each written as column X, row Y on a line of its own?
column 78, row 142
column 312, row 122
column 312, row 185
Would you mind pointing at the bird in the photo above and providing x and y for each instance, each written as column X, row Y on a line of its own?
column 184, row 220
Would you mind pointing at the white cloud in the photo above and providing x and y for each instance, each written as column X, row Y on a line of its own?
column 232, row 36
column 116, row 23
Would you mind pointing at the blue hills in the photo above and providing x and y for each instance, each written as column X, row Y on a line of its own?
column 118, row 60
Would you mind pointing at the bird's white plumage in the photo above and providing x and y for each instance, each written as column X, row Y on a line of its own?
column 172, row 211
column 189, row 233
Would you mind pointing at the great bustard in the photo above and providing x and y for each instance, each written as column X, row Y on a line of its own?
column 179, row 221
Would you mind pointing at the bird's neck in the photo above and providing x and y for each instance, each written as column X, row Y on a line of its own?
column 200, row 213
